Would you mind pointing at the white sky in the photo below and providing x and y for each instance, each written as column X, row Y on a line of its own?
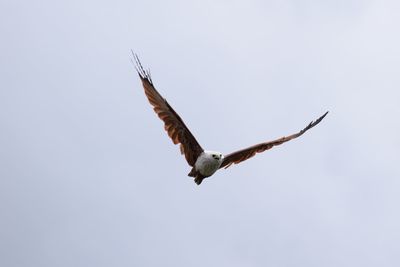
column 88, row 177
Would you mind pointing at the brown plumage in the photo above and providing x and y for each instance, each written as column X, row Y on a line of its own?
column 204, row 163
column 173, row 124
column 244, row 154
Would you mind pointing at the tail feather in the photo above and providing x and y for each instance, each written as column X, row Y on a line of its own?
column 198, row 178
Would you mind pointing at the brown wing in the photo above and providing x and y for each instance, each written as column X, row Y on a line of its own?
column 173, row 124
column 244, row 154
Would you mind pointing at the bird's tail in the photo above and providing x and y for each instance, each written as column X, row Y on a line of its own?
column 198, row 178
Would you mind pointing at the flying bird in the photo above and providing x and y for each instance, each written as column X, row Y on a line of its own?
column 204, row 163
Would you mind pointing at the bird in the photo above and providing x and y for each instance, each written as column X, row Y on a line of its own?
column 204, row 163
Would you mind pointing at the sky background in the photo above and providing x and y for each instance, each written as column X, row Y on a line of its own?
column 88, row 177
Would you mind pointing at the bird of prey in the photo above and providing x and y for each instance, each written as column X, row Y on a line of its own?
column 204, row 163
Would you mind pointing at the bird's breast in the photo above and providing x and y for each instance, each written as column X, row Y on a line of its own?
column 207, row 165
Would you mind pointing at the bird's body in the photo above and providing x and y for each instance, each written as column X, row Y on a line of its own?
column 204, row 163
column 207, row 164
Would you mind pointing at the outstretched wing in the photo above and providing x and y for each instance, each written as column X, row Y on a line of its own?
column 173, row 124
column 244, row 154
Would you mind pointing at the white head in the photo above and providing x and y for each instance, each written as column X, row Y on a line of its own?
column 215, row 155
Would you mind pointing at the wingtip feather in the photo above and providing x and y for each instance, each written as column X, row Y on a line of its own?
column 143, row 74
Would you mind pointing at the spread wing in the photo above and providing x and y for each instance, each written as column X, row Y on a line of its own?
column 244, row 154
column 173, row 124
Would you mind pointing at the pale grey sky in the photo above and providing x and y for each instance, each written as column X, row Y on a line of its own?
column 88, row 177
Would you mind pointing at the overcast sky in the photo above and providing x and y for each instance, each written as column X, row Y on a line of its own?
column 88, row 177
